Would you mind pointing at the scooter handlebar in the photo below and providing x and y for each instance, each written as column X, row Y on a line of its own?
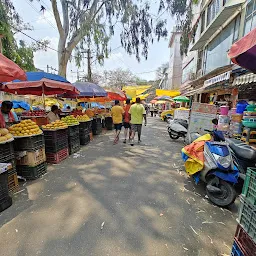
column 207, row 131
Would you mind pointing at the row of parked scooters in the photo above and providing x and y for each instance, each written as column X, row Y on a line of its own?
column 225, row 164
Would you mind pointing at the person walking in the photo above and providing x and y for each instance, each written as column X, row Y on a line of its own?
column 152, row 110
column 127, row 125
column 117, row 115
column 137, row 112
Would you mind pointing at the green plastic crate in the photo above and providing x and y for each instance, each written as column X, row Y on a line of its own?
column 247, row 218
column 249, row 188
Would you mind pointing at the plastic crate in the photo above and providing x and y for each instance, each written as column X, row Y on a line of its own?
column 247, row 218
column 85, row 125
column 55, row 135
column 29, row 143
column 6, row 152
column 32, row 173
column 4, row 193
column 6, row 203
column 109, row 123
column 85, row 140
column 249, row 188
column 73, row 131
column 55, row 158
column 55, row 146
column 33, row 158
column 13, row 183
column 245, row 242
column 236, row 250
column 74, row 145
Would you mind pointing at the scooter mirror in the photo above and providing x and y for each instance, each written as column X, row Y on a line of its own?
column 215, row 121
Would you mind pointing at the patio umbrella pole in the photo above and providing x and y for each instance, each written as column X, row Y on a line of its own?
column 43, row 96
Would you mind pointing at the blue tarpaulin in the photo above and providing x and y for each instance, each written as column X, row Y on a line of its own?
column 37, row 76
column 20, row 104
column 88, row 89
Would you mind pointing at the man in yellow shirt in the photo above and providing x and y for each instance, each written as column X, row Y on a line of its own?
column 117, row 115
column 137, row 112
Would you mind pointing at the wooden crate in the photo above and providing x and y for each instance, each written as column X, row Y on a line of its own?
column 33, row 158
column 13, row 183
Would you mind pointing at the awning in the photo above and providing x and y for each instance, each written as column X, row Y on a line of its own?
column 192, row 92
column 226, row 12
column 245, row 79
column 243, row 52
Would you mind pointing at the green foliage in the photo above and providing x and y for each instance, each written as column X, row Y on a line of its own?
column 19, row 52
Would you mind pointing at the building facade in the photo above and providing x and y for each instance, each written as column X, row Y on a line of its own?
column 174, row 72
column 207, row 70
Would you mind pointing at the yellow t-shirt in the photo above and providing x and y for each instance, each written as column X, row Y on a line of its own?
column 137, row 111
column 117, row 114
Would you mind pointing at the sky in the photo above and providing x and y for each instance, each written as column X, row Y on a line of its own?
column 45, row 28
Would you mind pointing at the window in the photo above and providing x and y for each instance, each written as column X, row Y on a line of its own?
column 216, row 52
column 212, row 10
column 250, row 19
column 188, row 70
column 199, row 60
column 236, row 28
column 203, row 22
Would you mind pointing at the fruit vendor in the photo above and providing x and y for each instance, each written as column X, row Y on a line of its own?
column 6, row 114
column 53, row 115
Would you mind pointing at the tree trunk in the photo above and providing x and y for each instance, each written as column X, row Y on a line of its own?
column 63, row 58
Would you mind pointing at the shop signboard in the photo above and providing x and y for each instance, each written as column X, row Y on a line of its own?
column 181, row 114
column 217, row 79
column 201, row 117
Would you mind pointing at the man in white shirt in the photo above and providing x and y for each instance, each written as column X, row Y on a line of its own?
column 53, row 114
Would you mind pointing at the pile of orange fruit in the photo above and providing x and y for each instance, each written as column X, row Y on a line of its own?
column 25, row 128
column 5, row 135
column 55, row 125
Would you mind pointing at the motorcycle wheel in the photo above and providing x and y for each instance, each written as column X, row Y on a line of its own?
column 173, row 136
column 227, row 195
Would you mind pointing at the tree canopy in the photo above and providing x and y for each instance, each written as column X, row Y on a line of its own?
column 91, row 23
column 19, row 52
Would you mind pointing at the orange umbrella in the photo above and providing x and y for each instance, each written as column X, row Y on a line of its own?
column 10, row 71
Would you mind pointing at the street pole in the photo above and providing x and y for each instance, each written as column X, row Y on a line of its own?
column 47, row 68
column 89, row 70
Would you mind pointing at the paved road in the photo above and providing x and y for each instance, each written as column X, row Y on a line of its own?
column 147, row 203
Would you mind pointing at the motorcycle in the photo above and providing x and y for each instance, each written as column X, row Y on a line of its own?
column 177, row 128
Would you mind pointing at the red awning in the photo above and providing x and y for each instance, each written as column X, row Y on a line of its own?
column 243, row 52
column 10, row 71
column 44, row 86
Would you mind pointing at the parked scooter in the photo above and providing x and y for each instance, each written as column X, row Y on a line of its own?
column 177, row 128
column 226, row 162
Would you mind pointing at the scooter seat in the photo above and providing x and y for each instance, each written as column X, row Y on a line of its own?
column 242, row 150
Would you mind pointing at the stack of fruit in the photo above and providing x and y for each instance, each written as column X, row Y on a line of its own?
column 34, row 113
column 55, row 125
column 83, row 118
column 25, row 128
column 89, row 113
column 4, row 135
column 70, row 120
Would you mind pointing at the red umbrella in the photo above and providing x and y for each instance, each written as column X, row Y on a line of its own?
column 116, row 94
column 243, row 52
column 42, row 87
column 10, row 71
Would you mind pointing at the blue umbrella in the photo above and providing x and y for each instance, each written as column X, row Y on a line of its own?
column 37, row 76
column 88, row 89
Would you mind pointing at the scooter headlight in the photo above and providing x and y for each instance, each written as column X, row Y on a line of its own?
column 224, row 161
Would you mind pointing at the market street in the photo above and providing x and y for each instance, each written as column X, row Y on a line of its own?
column 117, row 200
